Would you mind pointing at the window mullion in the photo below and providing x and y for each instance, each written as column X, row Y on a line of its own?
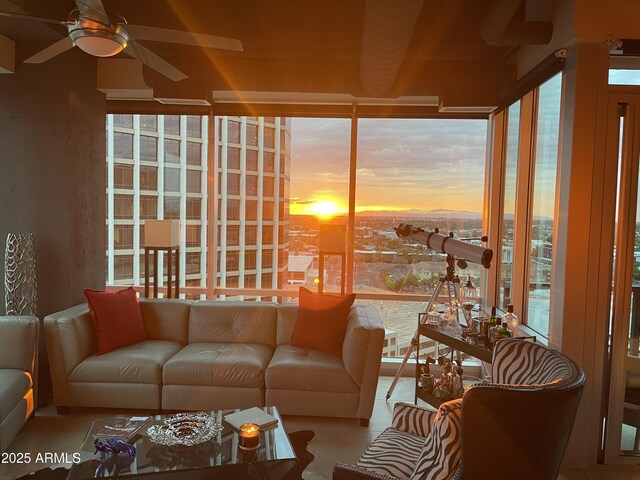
column 524, row 200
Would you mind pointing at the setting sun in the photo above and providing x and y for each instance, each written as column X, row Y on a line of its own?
column 324, row 208
column 319, row 208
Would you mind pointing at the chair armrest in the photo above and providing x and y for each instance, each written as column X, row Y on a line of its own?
column 342, row 471
column 70, row 338
column 413, row 419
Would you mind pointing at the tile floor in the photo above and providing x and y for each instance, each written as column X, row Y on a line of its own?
column 335, row 440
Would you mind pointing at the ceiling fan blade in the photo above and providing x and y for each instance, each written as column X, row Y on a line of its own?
column 141, row 32
column 51, row 51
column 94, row 10
column 152, row 60
column 31, row 17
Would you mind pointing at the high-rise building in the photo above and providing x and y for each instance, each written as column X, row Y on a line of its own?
column 157, row 168
column 253, row 201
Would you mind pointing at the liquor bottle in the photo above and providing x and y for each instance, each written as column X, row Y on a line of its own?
column 512, row 320
column 493, row 321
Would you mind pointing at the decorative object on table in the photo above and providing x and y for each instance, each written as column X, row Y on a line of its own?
column 167, row 457
column 470, row 296
column 433, row 316
column 20, row 281
column 121, row 427
column 162, row 236
column 511, row 320
column 184, row 429
column 466, row 252
column 115, row 456
column 427, row 382
column 451, row 320
column 498, row 332
column 254, row 415
column 449, row 385
column 249, row 436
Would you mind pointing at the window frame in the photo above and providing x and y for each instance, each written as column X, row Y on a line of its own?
column 523, row 215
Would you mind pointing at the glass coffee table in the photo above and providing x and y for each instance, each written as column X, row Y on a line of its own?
column 218, row 458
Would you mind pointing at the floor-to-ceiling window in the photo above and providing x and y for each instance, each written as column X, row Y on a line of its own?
column 156, row 169
column 526, row 228
column 424, row 172
column 543, row 204
column 509, row 204
column 272, row 186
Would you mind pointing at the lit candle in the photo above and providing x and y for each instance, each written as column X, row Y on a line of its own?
column 249, row 436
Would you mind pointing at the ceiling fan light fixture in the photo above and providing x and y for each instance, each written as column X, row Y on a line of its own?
column 96, row 38
column 100, row 45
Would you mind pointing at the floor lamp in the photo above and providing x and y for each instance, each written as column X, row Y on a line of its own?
column 162, row 236
column 332, row 242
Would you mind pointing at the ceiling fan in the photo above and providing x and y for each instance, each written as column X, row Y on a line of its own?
column 104, row 35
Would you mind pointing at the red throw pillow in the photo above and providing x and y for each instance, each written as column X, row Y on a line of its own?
column 322, row 321
column 116, row 317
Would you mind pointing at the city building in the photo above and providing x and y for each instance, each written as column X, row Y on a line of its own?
column 157, row 167
column 253, row 156
column 300, row 268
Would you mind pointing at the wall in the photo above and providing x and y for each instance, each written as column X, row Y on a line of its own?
column 52, row 174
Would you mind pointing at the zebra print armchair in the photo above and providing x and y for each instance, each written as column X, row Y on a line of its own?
column 517, row 424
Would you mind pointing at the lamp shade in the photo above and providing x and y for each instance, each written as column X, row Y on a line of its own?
column 162, row 233
column 332, row 238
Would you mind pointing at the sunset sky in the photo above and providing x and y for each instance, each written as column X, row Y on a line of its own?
column 403, row 164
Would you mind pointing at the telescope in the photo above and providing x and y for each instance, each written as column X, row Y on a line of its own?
column 447, row 244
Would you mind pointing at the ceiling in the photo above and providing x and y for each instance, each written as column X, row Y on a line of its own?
column 457, row 51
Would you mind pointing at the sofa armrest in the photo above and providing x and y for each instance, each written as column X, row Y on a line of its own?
column 19, row 343
column 362, row 346
column 413, row 419
column 362, row 354
column 70, row 338
column 342, row 471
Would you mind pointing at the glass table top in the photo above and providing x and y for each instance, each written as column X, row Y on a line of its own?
column 223, row 453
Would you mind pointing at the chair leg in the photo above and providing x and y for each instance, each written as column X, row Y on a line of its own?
column 364, row 422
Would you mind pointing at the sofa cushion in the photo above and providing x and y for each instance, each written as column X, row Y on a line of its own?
column 393, row 453
column 116, row 317
column 233, row 322
column 166, row 318
column 305, row 369
column 13, row 385
column 322, row 321
column 139, row 363
column 218, row 364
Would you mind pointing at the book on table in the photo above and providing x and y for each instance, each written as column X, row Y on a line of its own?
column 122, row 427
column 253, row 415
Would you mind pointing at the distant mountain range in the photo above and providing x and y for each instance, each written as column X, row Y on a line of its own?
column 414, row 213
column 433, row 214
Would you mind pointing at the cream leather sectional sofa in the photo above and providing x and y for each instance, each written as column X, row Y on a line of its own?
column 18, row 374
column 216, row 355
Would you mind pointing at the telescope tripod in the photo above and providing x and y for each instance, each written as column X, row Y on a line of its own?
column 453, row 285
